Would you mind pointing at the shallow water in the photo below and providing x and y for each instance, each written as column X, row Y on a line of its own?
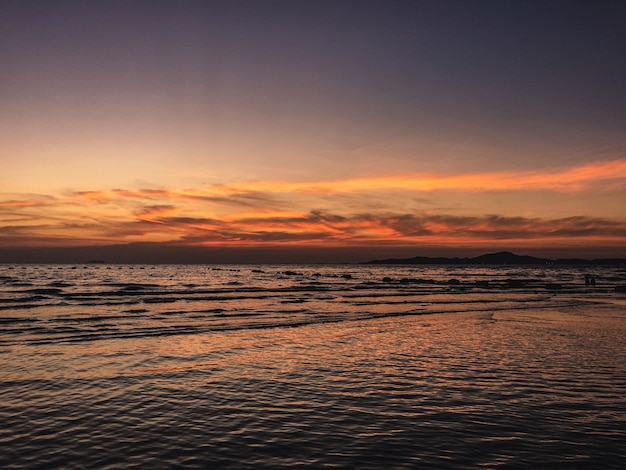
column 310, row 366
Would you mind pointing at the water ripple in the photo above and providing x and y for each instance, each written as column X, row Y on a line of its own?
column 393, row 375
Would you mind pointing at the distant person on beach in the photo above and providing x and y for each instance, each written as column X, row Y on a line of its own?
column 590, row 280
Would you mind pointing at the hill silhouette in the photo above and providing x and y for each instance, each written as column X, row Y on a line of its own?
column 502, row 257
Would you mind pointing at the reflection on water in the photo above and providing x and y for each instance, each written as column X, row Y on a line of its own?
column 496, row 378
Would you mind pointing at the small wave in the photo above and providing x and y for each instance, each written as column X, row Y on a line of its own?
column 134, row 285
column 61, row 284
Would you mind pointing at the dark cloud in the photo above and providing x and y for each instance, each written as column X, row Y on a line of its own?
column 160, row 215
column 321, row 226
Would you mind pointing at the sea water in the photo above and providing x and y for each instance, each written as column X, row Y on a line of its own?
column 343, row 366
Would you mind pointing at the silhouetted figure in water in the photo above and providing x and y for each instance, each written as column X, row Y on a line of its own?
column 590, row 280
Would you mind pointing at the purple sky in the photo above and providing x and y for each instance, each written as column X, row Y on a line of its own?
column 153, row 108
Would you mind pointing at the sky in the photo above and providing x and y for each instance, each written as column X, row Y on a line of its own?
column 323, row 130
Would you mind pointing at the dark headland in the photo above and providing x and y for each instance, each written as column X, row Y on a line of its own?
column 503, row 257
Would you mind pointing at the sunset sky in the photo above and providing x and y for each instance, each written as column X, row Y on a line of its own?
column 360, row 129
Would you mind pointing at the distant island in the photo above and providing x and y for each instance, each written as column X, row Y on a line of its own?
column 502, row 257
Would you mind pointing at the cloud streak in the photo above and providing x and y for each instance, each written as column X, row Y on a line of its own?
column 379, row 210
column 572, row 179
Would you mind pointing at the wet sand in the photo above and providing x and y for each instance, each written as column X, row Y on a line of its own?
column 514, row 389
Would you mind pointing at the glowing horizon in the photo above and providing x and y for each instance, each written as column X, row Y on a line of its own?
column 262, row 213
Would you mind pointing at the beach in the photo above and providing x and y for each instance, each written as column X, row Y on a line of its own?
column 346, row 375
column 280, row 234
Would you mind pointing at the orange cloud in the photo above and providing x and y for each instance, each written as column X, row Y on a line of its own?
column 24, row 203
column 329, row 229
column 383, row 210
column 95, row 196
column 568, row 179
column 261, row 193
column 320, row 228
column 28, row 201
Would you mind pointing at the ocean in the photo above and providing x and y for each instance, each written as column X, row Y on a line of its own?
column 311, row 366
